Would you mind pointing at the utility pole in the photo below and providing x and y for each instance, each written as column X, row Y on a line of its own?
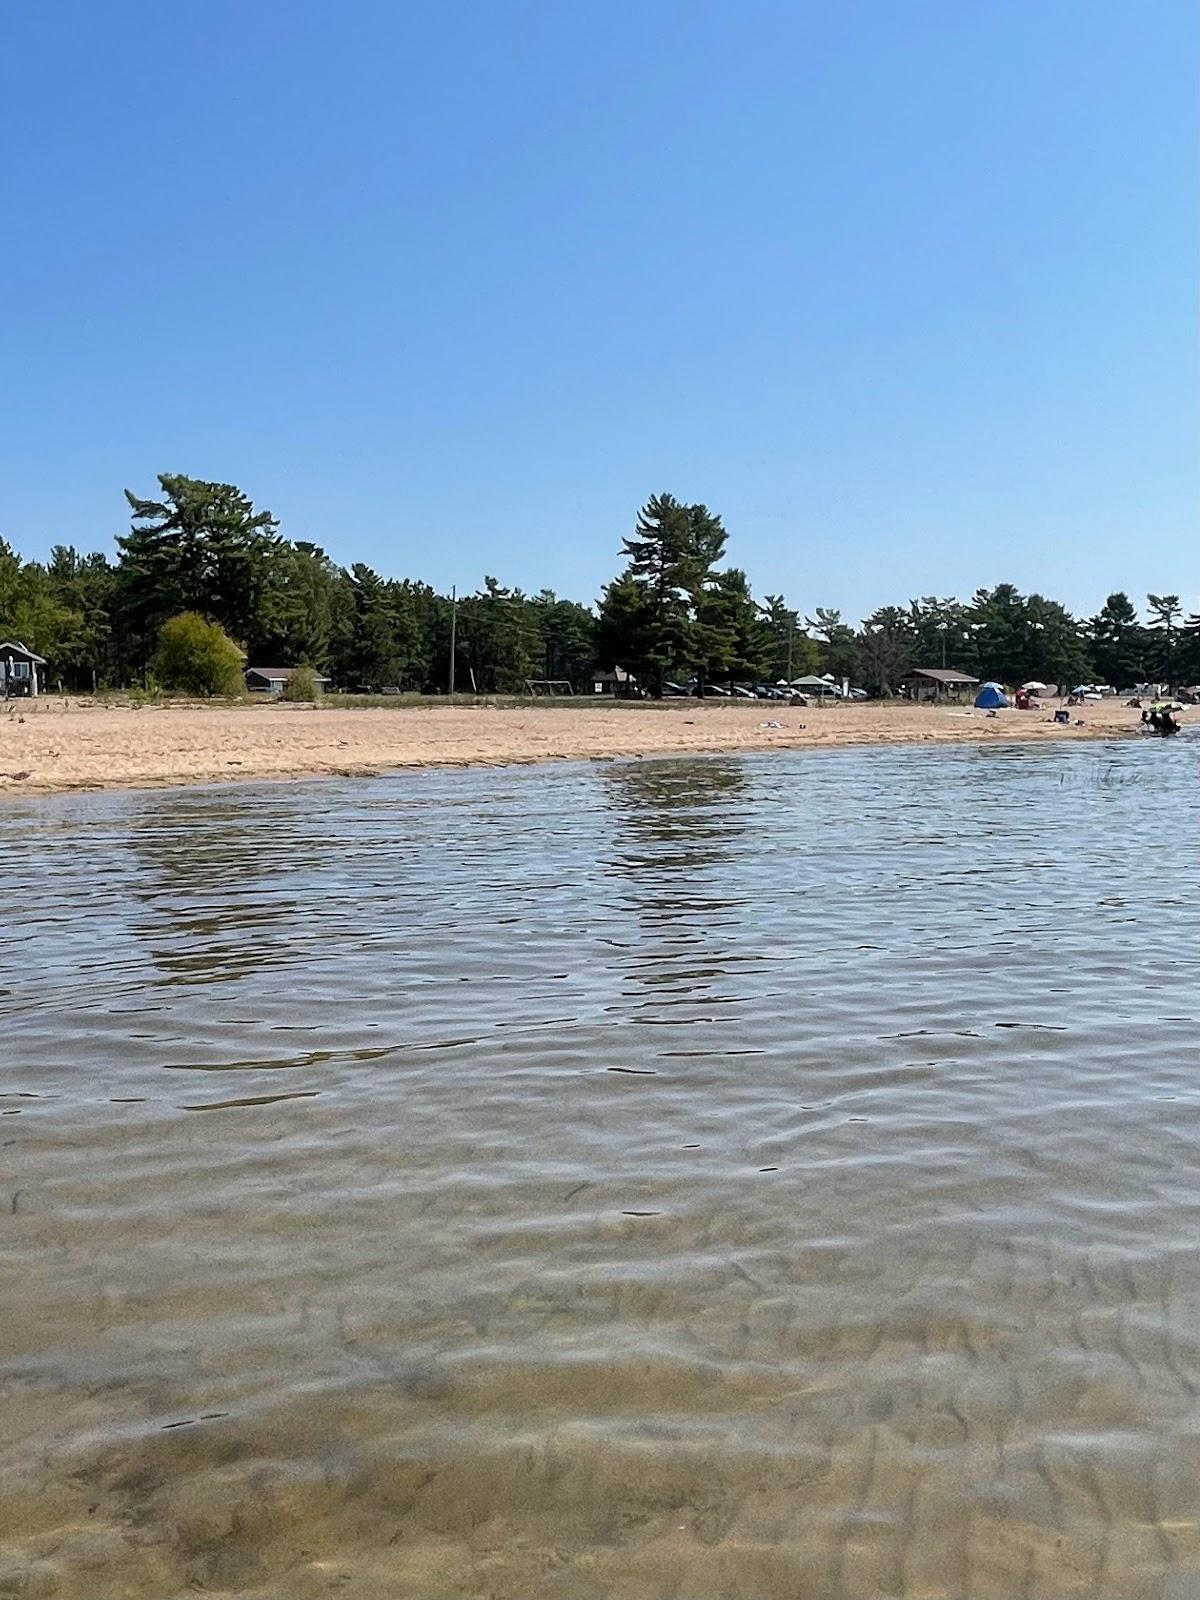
column 453, row 635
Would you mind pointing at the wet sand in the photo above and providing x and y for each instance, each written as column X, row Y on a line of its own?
column 63, row 745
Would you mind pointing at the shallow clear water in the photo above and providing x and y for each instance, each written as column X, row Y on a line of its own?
column 753, row 1177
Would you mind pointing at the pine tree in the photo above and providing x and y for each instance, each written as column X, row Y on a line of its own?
column 737, row 642
column 1167, row 613
column 623, row 627
column 1118, row 643
column 663, row 560
column 201, row 548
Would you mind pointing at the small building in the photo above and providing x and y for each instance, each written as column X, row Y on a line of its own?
column 938, row 683
column 617, row 682
column 21, row 671
column 273, row 680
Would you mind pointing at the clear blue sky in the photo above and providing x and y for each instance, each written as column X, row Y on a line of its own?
column 905, row 289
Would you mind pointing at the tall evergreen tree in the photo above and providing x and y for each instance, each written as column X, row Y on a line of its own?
column 499, row 645
column 307, row 614
column 733, row 641
column 202, row 547
column 942, row 633
column 838, row 648
column 1057, row 650
column 1167, row 614
column 999, row 619
column 787, row 637
column 84, row 587
column 887, row 648
column 1118, row 643
column 568, row 634
column 372, row 640
column 624, row 627
column 1189, row 650
column 664, row 559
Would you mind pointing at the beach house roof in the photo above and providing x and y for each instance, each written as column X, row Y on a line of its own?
column 944, row 676
column 278, row 676
column 10, row 647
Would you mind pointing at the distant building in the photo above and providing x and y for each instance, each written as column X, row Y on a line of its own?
column 21, row 671
column 616, row 682
column 938, row 683
column 273, row 680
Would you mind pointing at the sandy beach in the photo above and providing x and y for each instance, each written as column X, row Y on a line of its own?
column 52, row 746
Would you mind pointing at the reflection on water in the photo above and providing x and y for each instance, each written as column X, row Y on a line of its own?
column 771, row 1177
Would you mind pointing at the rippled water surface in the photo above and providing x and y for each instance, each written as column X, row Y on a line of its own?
column 773, row 1177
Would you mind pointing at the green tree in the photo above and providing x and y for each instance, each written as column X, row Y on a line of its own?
column 31, row 612
column 1167, row 613
column 838, row 645
column 738, row 642
column 624, row 627
column 1056, row 647
column 84, row 587
column 999, row 619
column 307, row 613
column 45, row 626
column 500, row 646
column 202, row 547
column 301, row 686
column 409, row 666
column 1118, row 643
column 372, row 648
column 568, row 635
column 887, row 647
column 942, row 635
column 793, row 653
column 197, row 656
column 665, row 560
column 1189, row 650
column 10, row 581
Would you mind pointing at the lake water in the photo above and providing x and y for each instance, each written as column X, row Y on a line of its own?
column 768, row 1177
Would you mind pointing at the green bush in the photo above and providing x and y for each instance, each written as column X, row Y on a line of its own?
column 302, row 685
column 147, row 696
column 197, row 656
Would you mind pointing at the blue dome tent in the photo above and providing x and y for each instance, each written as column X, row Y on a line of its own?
column 991, row 697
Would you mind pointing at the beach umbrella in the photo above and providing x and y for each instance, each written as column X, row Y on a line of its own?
column 1034, row 687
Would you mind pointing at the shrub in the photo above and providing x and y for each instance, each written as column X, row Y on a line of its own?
column 197, row 656
column 302, row 685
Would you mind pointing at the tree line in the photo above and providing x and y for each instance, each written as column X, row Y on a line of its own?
column 676, row 612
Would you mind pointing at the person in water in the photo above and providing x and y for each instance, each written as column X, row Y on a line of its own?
column 1160, row 719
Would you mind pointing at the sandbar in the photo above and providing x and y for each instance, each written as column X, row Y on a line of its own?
column 55, row 745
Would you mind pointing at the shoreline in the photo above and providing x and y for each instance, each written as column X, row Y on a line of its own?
column 62, row 747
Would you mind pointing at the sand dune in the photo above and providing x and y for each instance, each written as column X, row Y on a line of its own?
column 60, row 745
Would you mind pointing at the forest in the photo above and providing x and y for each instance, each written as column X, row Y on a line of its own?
column 676, row 610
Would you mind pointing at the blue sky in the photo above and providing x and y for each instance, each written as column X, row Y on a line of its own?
column 905, row 289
